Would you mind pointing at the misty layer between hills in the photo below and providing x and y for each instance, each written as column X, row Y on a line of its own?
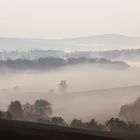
column 75, row 102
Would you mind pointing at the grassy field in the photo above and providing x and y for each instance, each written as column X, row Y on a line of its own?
column 18, row 130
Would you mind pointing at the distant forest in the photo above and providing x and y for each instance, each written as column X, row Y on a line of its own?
column 132, row 54
column 50, row 62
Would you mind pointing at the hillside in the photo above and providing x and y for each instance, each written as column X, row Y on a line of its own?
column 98, row 42
column 35, row 131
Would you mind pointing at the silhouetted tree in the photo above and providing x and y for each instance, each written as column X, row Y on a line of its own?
column 2, row 114
column 133, row 126
column 58, row 121
column 28, row 111
column 115, row 124
column 91, row 124
column 16, row 111
column 131, row 112
column 77, row 123
column 42, row 109
column 94, row 125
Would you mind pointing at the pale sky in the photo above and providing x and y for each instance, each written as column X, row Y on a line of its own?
column 68, row 18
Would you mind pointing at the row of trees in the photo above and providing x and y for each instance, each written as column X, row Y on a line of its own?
column 113, row 124
column 41, row 111
column 49, row 63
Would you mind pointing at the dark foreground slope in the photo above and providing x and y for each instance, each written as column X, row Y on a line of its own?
column 34, row 131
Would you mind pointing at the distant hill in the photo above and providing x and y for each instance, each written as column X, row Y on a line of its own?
column 98, row 42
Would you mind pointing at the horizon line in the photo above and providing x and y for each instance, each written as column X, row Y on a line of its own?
column 66, row 38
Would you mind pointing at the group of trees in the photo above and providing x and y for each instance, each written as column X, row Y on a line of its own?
column 41, row 111
column 92, row 124
column 35, row 54
column 115, row 124
column 131, row 112
column 49, row 63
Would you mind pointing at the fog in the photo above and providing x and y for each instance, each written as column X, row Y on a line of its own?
column 93, row 90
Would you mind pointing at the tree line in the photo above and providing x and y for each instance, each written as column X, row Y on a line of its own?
column 41, row 111
column 50, row 62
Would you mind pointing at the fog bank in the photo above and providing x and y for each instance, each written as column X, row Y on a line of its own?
column 84, row 97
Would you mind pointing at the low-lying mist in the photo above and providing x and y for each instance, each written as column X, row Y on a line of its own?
column 93, row 90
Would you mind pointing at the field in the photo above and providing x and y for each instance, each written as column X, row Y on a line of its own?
column 34, row 131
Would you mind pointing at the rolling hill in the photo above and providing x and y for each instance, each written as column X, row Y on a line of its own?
column 35, row 131
column 97, row 43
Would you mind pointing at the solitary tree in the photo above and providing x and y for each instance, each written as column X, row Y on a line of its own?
column 63, row 85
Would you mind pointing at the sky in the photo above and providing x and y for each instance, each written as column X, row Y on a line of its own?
column 51, row 19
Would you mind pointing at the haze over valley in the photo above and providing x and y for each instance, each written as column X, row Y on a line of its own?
column 70, row 65
column 91, row 88
column 97, row 76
